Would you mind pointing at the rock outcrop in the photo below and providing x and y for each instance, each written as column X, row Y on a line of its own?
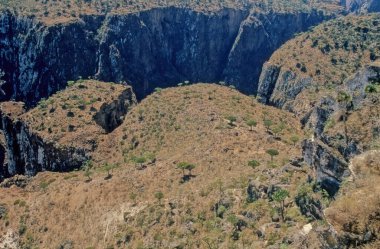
column 361, row 5
column 340, row 128
column 354, row 225
column 330, row 167
column 330, row 152
column 277, row 86
column 29, row 153
column 111, row 115
column 31, row 147
column 154, row 48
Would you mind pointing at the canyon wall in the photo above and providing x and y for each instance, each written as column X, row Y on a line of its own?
column 361, row 5
column 328, row 153
column 26, row 149
column 155, row 48
column 28, row 153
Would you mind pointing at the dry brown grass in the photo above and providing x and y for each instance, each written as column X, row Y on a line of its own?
column 332, row 51
column 177, row 124
column 67, row 117
column 356, row 210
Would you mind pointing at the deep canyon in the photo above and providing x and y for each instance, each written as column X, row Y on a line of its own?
column 154, row 48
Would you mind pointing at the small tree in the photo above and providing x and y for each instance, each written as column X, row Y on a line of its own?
column 294, row 139
column 141, row 114
column 159, row 196
column 268, row 123
column 182, row 166
column 231, row 120
column 209, row 93
column 272, row 153
column 253, row 97
column 279, row 196
column 371, row 88
column 253, row 164
column 190, row 167
column 87, row 165
column 251, row 123
column 186, row 166
column 277, row 130
column 158, row 90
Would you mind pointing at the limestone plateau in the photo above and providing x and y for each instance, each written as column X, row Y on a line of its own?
column 190, row 124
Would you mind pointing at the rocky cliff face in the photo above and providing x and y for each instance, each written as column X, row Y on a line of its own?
column 329, row 152
column 278, row 87
column 154, row 48
column 29, row 148
column 29, row 153
column 330, row 167
column 111, row 115
column 361, row 5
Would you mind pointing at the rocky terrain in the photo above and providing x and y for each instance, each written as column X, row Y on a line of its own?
column 157, row 160
column 61, row 132
column 327, row 85
column 159, row 46
column 362, row 5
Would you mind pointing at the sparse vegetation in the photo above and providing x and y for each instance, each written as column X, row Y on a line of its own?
column 159, row 196
column 294, row 139
column 231, row 120
column 200, row 129
column 251, row 123
column 253, row 164
column 155, row 201
column 279, row 196
column 272, row 153
column 338, row 48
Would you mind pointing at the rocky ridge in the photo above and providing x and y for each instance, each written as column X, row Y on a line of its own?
column 331, row 106
column 60, row 133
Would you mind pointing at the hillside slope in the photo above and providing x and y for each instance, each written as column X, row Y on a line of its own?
column 319, row 60
column 134, row 196
column 329, row 77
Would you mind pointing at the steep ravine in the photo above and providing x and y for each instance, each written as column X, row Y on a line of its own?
column 155, row 48
column 328, row 152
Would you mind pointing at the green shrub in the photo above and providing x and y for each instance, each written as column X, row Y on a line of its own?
column 253, row 164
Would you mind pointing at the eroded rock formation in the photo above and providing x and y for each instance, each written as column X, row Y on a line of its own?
column 31, row 147
column 329, row 152
column 154, row 48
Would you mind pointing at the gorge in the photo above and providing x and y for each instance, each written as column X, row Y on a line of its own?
column 154, row 48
